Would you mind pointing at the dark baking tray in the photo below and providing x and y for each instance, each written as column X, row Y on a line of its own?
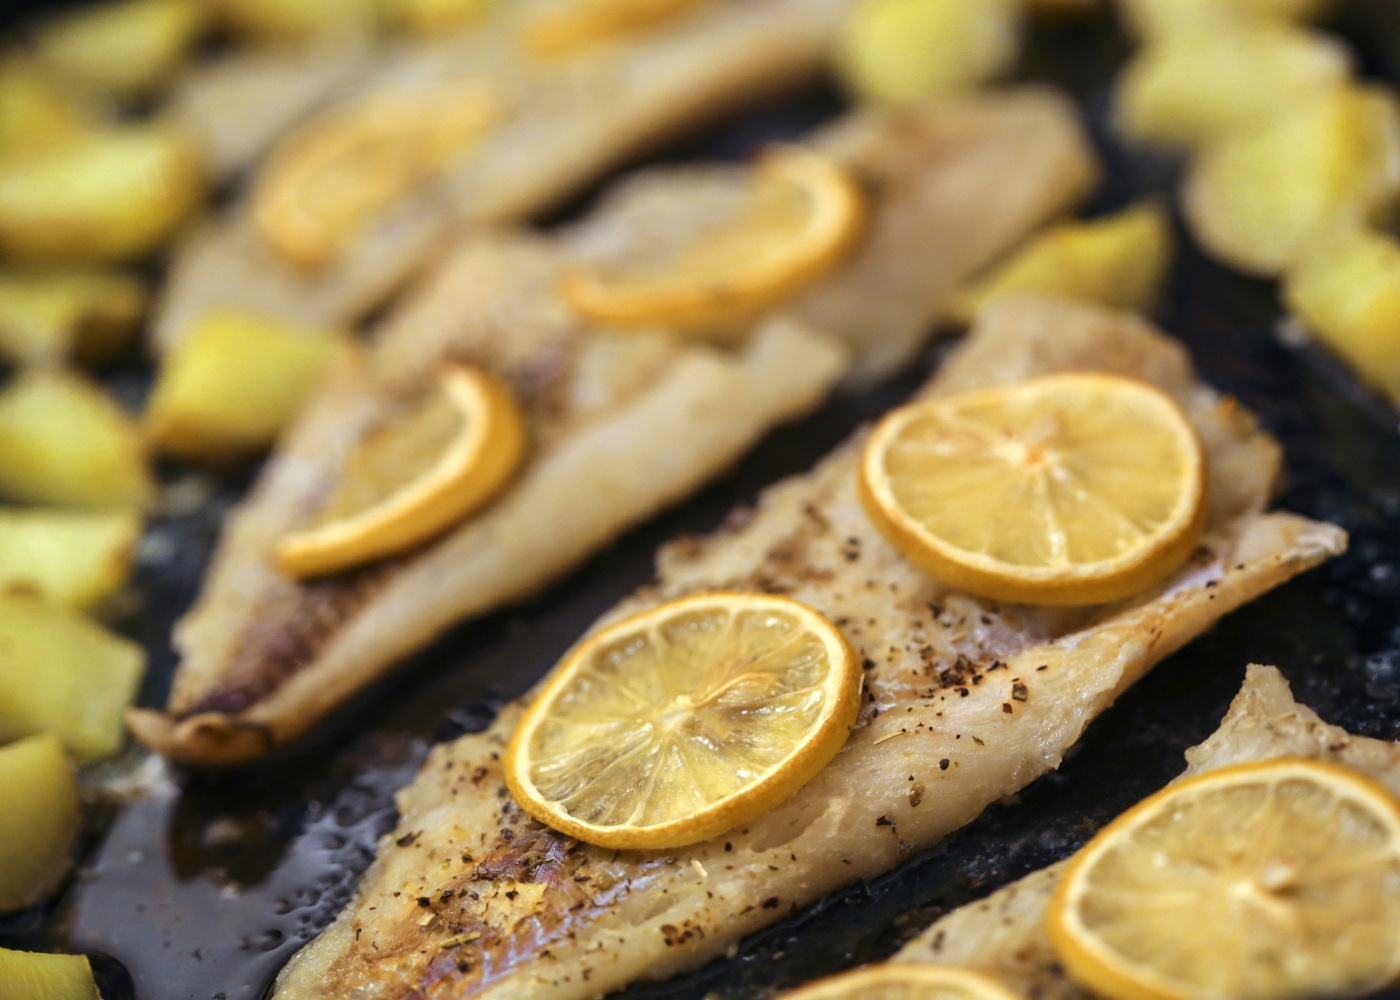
column 202, row 890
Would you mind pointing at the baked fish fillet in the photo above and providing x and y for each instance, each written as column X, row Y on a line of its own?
column 565, row 124
column 1004, row 934
column 968, row 698
column 622, row 424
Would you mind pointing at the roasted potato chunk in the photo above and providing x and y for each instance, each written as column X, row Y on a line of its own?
column 64, row 442
column 39, row 822
column 31, row 976
column 64, row 674
column 280, row 21
column 233, row 382
column 109, row 196
column 48, row 317
column 1254, row 198
column 1119, row 261
column 38, row 110
column 1191, row 86
column 905, row 51
column 1154, row 18
column 131, row 48
column 1346, row 289
column 77, row 558
column 428, row 17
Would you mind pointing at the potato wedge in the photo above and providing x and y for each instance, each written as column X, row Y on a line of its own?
column 1254, row 198
column 131, row 48
column 62, row 673
column 88, row 315
column 1154, row 18
column 905, row 51
column 76, row 558
column 38, row 110
column 1119, row 260
column 64, row 442
column 32, row 976
column 428, row 17
column 1346, row 289
column 231, row 385
column 110, row 196
column 280, row 21
column 1191, row 86
column 39, row 822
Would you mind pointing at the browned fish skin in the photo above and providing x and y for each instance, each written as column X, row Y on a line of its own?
column 968, row 701
column 1004, row 934
column 264, row 656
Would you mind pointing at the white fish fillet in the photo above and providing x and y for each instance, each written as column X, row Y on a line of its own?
column 566, row 124
column 623, row 424
column 1004, row 934
column 971, row 698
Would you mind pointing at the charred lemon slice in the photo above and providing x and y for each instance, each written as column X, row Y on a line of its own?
column 328, row 182
column 1273, row 880
column 799, row 214
column 686, row 720
column 1067, row 489
column 568, row 26
column 905, row 982
column 415, row 476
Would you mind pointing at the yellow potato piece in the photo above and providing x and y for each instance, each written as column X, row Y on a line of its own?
column 1346, row 288
column 231, row 385
column 1119, row 260
column 284, row 21
column 1194, row 85
column 64, row 442
column 427, row 17
column 38, row 110
column 1254, row 198
column 77, row 558
column 52, row 316
column 31, row 976
column 568, row 26
column 905, row 51
column 131, row 48
column 111, row 196
column 1154, row 18
column 39, row 822
column 62, row 673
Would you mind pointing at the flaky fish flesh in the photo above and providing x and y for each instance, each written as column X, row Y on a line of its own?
column 622, row 424
column 565, row 123
column 1004, row 935
column 968, row 701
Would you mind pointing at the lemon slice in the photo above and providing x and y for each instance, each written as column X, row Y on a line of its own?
column 905, row 982
column 685, row 720
column 801, row 213
column 1269, row 880
column 568, row 26
column 1067, row 489
column 328, row 181
column 416, row 476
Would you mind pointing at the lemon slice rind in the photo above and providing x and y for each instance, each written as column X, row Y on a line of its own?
column 1068, row 584
column 841, row 703
column 900, row 981
column 472, row 470
column 1097, row 966
column 769, row 274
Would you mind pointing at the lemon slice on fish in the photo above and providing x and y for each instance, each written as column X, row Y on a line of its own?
column 801, row 211
column 1068, row 489
column 327, row 182
column 569, row 26
column 905, row 982
column 684, row 721
column 415, row 476
column 1274, row 881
